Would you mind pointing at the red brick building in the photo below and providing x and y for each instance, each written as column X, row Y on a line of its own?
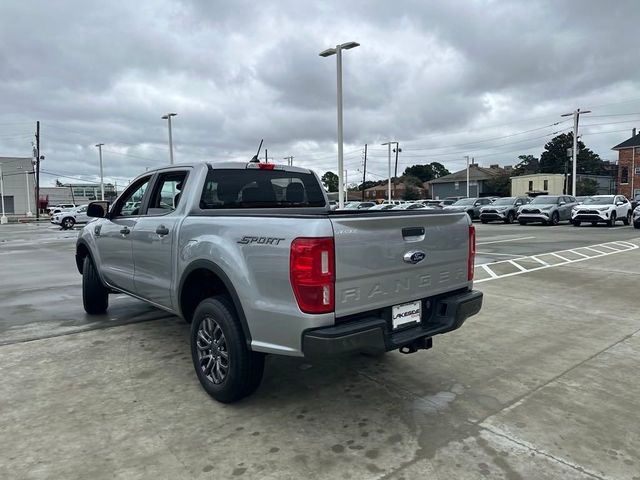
column 629, row 166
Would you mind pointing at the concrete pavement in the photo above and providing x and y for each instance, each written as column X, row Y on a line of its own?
column 542, row 384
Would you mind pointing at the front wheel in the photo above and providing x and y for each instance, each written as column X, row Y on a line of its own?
column 636, row 225
column 226, row 368
column 555, row 219
column 510, row 218
column 522, row 222
column 627, row 220
column 612, row 220
column 576, row 223
column 68, row 223
column 95, row 296
column 484, row 221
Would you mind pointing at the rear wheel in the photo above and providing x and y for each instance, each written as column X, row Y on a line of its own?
column 95, row 296
column 612, row 220
column 226, row 368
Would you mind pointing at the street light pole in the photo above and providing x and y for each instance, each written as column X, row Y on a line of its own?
column 3, row 218
column 99, row 145
column 467, row 157
column 576, row 117
column 337, row 51
column 167, row 117
column 389, row 167
column 29, row 214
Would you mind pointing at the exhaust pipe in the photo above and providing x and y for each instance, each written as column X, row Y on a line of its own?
column 417, row 344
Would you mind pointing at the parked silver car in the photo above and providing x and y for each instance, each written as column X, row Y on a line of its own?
column 503, row 209
column 547, row 209
column 471, row 206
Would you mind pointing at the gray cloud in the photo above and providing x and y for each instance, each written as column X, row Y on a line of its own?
column 432, row 75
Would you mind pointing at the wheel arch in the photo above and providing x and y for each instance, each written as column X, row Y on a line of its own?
column 82, row 252
column 203, row 279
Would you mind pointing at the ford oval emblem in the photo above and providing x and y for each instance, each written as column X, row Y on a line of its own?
column 414, row 256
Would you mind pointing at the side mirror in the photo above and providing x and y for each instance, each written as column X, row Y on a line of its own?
column 619, row 203
column 98, row 209
column 562, row 203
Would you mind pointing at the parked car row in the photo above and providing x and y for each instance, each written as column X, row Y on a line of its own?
column 544, row 209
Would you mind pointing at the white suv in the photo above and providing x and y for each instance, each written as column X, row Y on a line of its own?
column 68, row 218
column 602, row 209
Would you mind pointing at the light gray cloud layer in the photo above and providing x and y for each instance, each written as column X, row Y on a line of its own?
column 432, row 75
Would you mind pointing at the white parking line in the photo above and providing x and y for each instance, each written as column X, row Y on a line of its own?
column 507, row 240
column 617, row 247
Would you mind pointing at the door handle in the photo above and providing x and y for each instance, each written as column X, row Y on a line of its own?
column 125, row 231
column 162, row 230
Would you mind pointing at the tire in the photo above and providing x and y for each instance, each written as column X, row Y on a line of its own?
column 67, row 223
column 470, row 213
column 636, row 225
column 484, row 221
column 522, row 222
column 627, row 220
column 554, row 220
column 576, row 223
column 215, row 318
column 595, row 224
column 612, row 220
column 95, row 296
column 510, row 218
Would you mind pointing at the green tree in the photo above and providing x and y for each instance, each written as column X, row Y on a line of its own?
column 426, row 172
column 586, row 186
column 330, row 181
column 554, row 158
column 439, row 170
column 499, row 185
column 411, row 193
column 528, row 165
column 411, row 180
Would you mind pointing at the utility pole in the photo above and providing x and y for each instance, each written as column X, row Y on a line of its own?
column 364, row 173
column 576, row 118
column 395, row 174
column 266, row 156
column 99, row 145
column 26, row 176
column 38, row 169
column 467, row 157
column 389, row 169
column 289, row 160
column 3, row 218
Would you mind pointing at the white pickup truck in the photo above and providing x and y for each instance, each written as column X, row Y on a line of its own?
column 252, row 256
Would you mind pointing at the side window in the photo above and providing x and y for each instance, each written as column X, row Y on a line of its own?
column 518, row 202
column 167, row 193
column 131, row 201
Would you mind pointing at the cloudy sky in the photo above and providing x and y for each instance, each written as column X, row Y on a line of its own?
column 445, row 79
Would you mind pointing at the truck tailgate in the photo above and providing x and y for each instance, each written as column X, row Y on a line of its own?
column 372, row 271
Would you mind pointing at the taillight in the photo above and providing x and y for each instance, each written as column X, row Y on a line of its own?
column 312, row 273
column 472, row 252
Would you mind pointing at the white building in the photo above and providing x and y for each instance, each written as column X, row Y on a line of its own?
column 17, row 180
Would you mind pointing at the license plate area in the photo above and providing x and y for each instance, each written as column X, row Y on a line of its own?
column 406, row 314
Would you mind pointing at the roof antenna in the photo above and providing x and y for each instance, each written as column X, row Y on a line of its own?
column 255, row 157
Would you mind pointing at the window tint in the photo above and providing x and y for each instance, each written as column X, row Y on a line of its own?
column 167, row 193
column 129, row 204
column 257, row 188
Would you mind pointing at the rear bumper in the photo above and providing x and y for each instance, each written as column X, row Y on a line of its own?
column 374, row 333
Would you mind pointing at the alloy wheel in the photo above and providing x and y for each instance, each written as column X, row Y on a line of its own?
column 213, row 354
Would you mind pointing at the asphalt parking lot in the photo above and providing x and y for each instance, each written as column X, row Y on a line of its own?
column 542, row 384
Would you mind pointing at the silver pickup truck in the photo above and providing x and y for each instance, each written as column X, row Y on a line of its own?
column 252, row 256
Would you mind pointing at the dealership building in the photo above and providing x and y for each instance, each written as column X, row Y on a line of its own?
column 17, row 186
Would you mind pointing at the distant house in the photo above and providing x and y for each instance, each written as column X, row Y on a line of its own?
column 398, row 191
column 629, row 166
column 455, row 185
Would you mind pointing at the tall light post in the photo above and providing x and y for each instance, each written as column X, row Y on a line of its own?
column 99, row 145
column 26, row 177
column 467, row 157
column 3, row 218
column 576, row 117
column 389, row 183
column 167, row 117
column 337, row 51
